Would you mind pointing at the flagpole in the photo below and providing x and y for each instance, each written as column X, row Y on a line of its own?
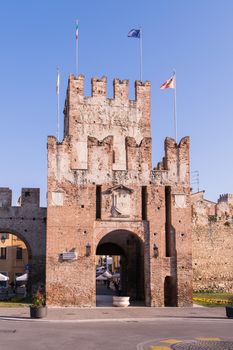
column 175, row 114
column 140, row 53
column 76, row 36
column 58, row 104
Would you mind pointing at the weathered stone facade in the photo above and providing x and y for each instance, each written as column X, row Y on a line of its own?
column 105, row 198
column 28, row 222
column 212, row 243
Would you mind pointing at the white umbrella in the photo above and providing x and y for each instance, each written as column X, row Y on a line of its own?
column 3, row 277
column 107, row 274
column 101, row 278
column 23, row 277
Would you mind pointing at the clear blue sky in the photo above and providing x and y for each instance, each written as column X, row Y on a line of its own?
column 195, row 37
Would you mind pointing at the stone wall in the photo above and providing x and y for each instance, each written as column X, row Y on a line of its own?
column 212, row 243
column 28, row 222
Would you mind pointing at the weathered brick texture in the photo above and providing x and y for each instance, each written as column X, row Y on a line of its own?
column 143, row 211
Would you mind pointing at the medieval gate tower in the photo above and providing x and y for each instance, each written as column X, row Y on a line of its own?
column 105, row 198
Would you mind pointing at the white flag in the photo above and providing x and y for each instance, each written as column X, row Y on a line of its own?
column 58, row 83
column 76, row 29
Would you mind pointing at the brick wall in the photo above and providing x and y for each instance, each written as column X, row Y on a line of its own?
column 107, row 143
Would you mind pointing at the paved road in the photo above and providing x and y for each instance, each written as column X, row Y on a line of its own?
column 119, row 335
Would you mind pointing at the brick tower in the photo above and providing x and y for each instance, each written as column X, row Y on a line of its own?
column 105, row 198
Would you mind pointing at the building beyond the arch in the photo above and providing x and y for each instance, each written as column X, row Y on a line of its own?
column 103, row 192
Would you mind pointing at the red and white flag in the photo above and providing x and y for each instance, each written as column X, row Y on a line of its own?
column 169, row 84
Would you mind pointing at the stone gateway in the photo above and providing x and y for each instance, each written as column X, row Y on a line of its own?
column 104, row 197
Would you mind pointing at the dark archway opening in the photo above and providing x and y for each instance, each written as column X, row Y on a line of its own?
column 127, row 253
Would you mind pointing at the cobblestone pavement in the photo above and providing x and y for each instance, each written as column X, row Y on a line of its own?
column 203, row 345
column 191, row 344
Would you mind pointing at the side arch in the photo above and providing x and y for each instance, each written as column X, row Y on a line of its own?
column 36, row 254
column 22, row 238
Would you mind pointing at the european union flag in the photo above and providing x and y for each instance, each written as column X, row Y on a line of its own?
column 134, row 33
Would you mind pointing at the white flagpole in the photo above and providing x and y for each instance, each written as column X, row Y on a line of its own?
column 140, row 53
column 175, row 115
column 76, row 36
column 58, row 104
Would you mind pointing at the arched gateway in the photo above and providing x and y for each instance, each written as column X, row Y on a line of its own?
column 103, row 193
column 130, row 248
column 27, row 221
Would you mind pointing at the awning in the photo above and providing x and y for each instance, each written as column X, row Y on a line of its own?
column 23, row 277
column 107, row 274
column 101, row 278
column 3, row 277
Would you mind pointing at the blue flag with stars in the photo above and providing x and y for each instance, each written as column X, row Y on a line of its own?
column 134, row 33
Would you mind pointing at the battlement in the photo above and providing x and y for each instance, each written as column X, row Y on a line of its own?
column 96, row 114
column 227, row 197
column 176, row 159
column 174, row 151
column 29, row 196
column 5, row 197
column 99, row 88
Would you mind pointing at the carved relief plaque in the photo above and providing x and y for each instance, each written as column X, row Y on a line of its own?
column 120, row 201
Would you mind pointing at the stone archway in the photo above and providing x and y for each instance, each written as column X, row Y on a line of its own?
column 16, row 257
column 28, row 222
column 130, row 248
column 35, row 264
column 20, row 236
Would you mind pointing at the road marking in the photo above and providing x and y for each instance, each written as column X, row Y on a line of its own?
column 208, row 339
column 171, row 341
column 155, row 344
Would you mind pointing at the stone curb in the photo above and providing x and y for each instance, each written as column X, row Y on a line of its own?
column 132, row 319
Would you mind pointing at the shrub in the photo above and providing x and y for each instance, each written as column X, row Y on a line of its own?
column 38, row 299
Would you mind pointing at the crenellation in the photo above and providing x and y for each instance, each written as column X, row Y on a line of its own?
column 142, row 90
column 177, row 159
column 227, row 197
column 30, row 197
column 99, row 87
column 78, row 84
column 121, row 90
column 170, row 148
column 142, row 97
column 5, row 197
